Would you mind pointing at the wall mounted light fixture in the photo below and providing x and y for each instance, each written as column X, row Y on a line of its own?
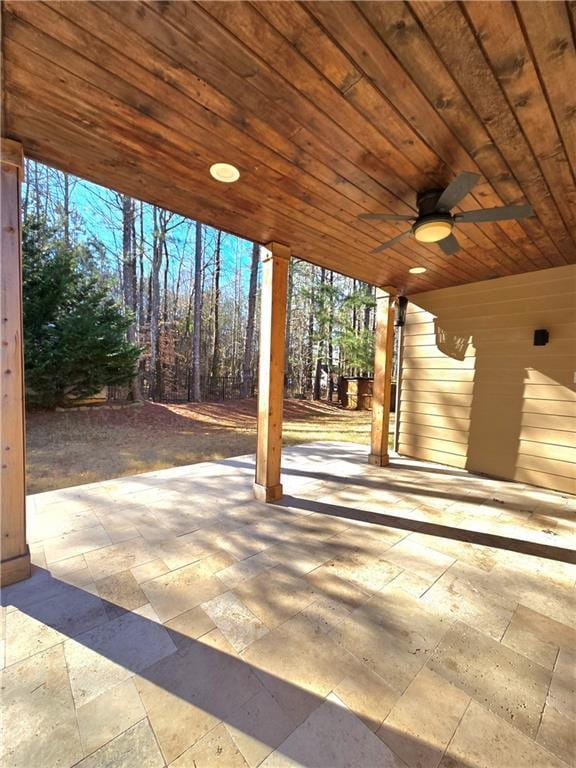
column 401, row 306
column 541, row 337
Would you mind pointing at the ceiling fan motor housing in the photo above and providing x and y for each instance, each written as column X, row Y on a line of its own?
column 431, row 225
column 427, row 201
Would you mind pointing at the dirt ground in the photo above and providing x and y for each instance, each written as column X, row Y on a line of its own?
column 75, row 447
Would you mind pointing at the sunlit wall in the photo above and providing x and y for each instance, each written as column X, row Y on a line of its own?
column 477, row 393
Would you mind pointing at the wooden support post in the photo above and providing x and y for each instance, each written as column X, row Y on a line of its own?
column 381, row 398
column 15, row 557
column 275, row 261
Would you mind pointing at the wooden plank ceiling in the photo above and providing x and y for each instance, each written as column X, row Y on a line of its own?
column 329, row 110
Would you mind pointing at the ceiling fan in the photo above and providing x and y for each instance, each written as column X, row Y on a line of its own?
column 434, row 222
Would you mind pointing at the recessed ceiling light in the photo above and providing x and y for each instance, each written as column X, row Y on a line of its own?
column 417, row 270
column 224, row 172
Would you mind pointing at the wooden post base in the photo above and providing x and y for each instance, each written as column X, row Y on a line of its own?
column 267, row 493
column 379, row 460
column 15, row 569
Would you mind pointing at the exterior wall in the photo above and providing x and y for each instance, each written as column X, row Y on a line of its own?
column 475, row 391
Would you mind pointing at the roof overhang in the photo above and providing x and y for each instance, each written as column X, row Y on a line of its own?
column 329, row 110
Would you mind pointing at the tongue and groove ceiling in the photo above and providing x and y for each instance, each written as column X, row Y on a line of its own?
column 328, row 109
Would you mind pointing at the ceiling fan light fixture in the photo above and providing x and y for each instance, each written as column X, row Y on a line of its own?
column 432, row 229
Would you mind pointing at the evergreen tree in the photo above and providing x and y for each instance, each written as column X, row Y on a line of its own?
column 74, row 333
column 356, row 340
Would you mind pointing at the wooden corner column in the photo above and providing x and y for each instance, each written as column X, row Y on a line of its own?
column 15, row 564
column 275, row 261
column 381, row 397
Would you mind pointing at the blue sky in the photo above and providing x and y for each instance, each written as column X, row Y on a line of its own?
column 100, row 218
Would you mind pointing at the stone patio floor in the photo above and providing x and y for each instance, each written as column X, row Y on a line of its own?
column 413, row 615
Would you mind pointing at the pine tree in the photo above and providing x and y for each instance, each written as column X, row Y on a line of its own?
column 74, row 333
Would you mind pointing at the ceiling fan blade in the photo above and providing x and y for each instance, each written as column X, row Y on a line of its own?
column 503, row 213
column 457, row 190
column 386, row 217
column 392, row 242
column 449, row 245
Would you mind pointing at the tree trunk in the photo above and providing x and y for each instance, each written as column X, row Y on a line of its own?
column 129, row 279
column 36, row 191
column 142, row 315
column 196, row 334
column 354, row 371
column 368, row 310
column 288, row 357
column 310, row 340
column 317, row 395
column 216, row 311
column 27, row 186
column 155, row 373
column 66, row 209
column 235, row 366
column 330, row 340
column 367, row 318
column 166, row 270
column 135, row 293
column 246, row 384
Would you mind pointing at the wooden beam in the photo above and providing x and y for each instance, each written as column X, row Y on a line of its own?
column 381, row 398
column 15, row 563
column 275, row 261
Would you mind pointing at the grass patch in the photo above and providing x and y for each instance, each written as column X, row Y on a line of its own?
column 75, row 447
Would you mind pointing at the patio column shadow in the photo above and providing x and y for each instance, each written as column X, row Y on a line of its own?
column 433, row 529
column 384, row 480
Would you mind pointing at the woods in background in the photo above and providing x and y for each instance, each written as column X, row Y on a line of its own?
column 190, row 296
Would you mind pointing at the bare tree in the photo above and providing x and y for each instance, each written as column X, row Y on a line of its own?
column 154, row 302
column 287, row 339
column 196, row 393
column 216, row 309
column 61, row 202
column 246, row 384
column 330, row 360
column 66, row 208
column 28, row 165
column 141, row 279
column 129, row 278
column 236, row 319
column 310, row 339
column 321, row 338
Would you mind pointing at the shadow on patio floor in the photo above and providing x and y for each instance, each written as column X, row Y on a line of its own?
column 172, row 669
column 404, row 523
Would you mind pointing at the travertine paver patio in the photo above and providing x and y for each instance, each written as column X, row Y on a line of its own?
column 377, row 617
